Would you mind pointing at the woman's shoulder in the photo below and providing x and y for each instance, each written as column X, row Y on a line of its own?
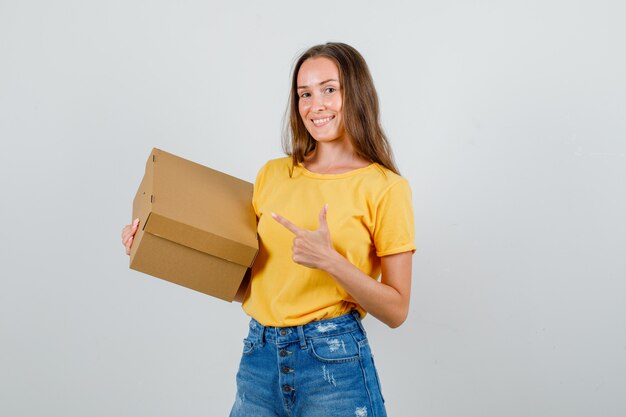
column 278, row 163
column 275, row 166
column 282, row 162
column 386, row 177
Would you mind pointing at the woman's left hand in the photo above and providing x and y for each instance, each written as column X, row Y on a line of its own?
column 311, row 248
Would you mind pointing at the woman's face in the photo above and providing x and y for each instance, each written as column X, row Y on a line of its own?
column 320, row 102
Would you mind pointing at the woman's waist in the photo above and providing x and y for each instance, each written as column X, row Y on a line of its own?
column 345, row 323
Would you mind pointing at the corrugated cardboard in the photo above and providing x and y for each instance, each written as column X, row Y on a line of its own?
column 197, row 226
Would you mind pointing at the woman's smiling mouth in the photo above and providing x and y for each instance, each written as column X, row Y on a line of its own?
column 320, row 122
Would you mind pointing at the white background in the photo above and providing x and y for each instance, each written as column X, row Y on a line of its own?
column 508, row 119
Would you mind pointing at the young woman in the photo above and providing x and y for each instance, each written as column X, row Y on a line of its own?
column 332, row 217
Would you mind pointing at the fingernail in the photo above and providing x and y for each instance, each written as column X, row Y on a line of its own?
column 273, row 215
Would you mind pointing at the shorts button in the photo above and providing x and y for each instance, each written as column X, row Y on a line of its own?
column 283, row 332
column 286, row 369
column 283, row 353
column 287, row 388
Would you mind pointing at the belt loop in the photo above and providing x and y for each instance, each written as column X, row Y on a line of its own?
column 357, row 317
column 262, row 335
column 301, row 337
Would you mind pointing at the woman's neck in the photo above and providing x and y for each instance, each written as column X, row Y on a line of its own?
column 334, row 157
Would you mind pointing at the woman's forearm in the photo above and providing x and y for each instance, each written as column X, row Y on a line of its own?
column 388, row 303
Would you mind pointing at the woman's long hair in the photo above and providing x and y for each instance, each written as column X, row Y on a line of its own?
column 360, row 108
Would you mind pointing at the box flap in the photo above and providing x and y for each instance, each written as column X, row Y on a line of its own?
column 198, row 207
column 201, row 240
column 187, row 267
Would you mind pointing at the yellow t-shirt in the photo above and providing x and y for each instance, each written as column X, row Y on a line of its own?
column 370, row 215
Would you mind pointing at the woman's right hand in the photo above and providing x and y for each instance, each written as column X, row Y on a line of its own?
column 128, row 234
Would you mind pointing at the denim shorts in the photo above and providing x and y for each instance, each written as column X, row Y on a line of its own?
column 322, row 369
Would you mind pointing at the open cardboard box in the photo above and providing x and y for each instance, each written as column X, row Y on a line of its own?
column 197, row 227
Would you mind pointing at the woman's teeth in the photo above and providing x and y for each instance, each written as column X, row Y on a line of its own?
column 321, row 121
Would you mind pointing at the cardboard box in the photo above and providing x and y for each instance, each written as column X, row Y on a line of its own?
column 197, row 226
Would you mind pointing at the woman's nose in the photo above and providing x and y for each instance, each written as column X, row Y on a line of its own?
column 317, row 102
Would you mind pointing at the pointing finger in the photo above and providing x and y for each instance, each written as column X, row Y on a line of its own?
column 290, row 226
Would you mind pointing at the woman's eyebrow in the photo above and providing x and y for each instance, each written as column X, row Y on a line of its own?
column 322, row 83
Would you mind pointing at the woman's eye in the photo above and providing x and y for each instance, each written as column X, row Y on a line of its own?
column 304, row 95
column 330, row 90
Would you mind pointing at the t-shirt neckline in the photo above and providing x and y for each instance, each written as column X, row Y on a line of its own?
column 335, row 176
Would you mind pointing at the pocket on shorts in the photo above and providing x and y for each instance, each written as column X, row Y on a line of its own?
column 335, row 349
column 380, row 389
column 248, row 346
column 371, row 371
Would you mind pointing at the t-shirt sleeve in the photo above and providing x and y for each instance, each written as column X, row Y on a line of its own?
column 258, row 184
column 394, row 228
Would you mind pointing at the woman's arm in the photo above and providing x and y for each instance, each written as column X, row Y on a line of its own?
column 387, row 300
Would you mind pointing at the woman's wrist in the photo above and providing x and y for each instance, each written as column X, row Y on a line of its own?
column 335, row 263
